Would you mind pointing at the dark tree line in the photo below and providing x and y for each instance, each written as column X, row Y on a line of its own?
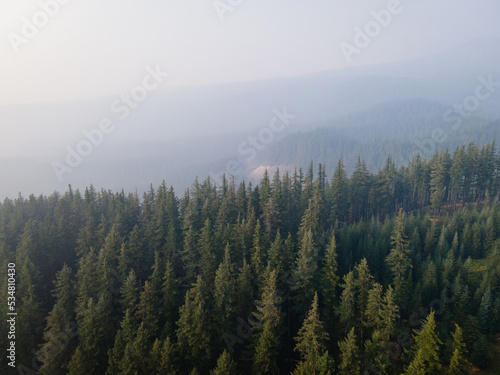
column 386, row 273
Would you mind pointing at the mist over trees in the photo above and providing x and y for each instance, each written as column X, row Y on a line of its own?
column 393, row 272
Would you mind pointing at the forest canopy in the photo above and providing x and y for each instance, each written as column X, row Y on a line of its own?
column 393, row 272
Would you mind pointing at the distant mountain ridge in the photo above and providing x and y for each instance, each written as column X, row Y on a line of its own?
column 181, row 133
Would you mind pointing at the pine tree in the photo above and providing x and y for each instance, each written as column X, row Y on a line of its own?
column 477, row 242
column 136, row 355
column 389, row 313
column 124, row 336
column 376, row 359
column 273, row 209
column 244, row 289
column 457, row 173
column 29, row 320
column 112, row 246
column 266, row 328
column 257, row 255
column 324, row 366
column 276, row 258
column 78, row 364
column 224, row 293
column 490, row 234
column 169, row 299
column 131, row 254
column 311, row 340
column 417, row 366
column 467, row 241
column 439, row 179
column 459, row 365
column 312, row 218
column 427, row 346
column 147, row 312
column 190, row 255
column 339, row 195
column 348, row 302
column 60, row 333
column 359, row 190
column 399, row 257
column 207, row 255
column 304, row 274
column 429, row 281
column 225, row 365
column 330, row 277
column 94, row 340
column 193, row 333
column 130, row 293
column 363, row 283
column 161, row 358
column 483, row 315
column 91, row 281
column 350, row 362
column 373, row 313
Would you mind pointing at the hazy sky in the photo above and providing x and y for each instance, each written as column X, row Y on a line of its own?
column 92, row 48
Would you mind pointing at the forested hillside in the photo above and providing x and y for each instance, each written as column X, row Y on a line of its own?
column 393, row 272
column 401, row 129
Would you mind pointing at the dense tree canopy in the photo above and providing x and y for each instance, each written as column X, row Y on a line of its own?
column 390, row 272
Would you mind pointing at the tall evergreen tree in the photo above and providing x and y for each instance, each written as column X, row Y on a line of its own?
column 224, row 293
column 124, row 337
column 311, row 341
column 305, row 273
column 459, row 365
column 330, row 274
column 426, row 346
column 60, row 334
column 29, row 319
column 347, row 306
column 162, row 358
column 363, row 283
column 339, row 195
column 350, row 358
column 169, row 299
column 194, row 327
column 399, row 257
column 130, row 293
column 94, row 339
column 147, row 311
column 225, row 365
column 267, row 329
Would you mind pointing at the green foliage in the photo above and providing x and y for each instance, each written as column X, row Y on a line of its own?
column 60, row 333
column 350, row 361
column 225, row 365
column 162, row 358
column 305, row 271
column 418, row 365
column 426, row 348
column 267, row 328
column 160, row 283
column 311, row 340
column 459, row 365
column 224, row 292
column 348, row 302
column 399, row 257
column 193, row 333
